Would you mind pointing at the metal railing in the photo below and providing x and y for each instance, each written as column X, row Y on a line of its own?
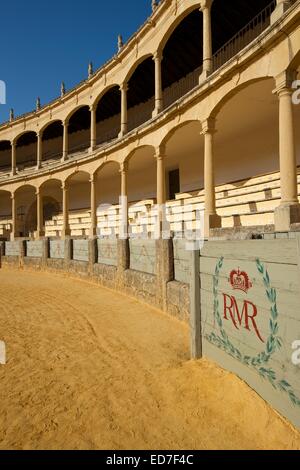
column 244, row 37
column 178, row 89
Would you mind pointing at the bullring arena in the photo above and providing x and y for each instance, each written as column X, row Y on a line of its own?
column 190, row 123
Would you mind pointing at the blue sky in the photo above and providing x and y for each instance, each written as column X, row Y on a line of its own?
column 45, row 42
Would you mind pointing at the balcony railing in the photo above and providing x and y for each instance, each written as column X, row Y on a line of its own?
column 244, row 37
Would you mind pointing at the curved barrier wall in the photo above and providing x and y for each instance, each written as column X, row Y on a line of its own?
column 241, row 297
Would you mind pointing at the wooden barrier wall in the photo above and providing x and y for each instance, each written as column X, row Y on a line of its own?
column 246, row 310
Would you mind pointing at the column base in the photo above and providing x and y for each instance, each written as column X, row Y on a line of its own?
column 279, row 11
column 157, row 111
column 92, row 148
column 204, row 76
column 39, row 234
column 122, row 134
column 211, row 221
column 285, row 215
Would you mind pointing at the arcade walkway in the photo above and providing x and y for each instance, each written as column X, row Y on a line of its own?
column 88, row 368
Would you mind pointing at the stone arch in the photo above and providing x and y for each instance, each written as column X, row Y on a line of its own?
column 174, row 25
column 235, row 89
column 135, row 65
column 103, row 92
column 26, row 210
column 295, row 62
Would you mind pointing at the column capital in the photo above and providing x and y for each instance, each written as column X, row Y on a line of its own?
column 157, row 56
column 64, row 185
column 209, row 126
column 93, row 107
column 205, row 4
column 13, row 196
column 160, row 153
column 38, row 191
column 93, row 178
column 284, row 81
column 124, row 167
column 65, row 123
column 124, row 87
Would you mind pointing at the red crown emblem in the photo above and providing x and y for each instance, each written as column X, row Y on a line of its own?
column 240, row 281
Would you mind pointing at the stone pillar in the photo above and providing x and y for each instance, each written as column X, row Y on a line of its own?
column 39, row 149
column 123, row 261
column 93, row 255
column 22, row 252
column 65, row 140
column 289, row 210
column 93, row 128
column 164, row 270
column 158, row 85
column 123, row 229
column 66, row 232
column 161, row 192
column 207, row 39
column 281, row 7
column 123, row 89
column 13, row 234
column 93, row 228
column 13, row 158
column 211, row 219
column 68, row 253
column 161, row 180
column 46, row 251
column 39, row 205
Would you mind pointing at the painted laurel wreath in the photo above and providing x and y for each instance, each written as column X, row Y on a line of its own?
column 274, row 342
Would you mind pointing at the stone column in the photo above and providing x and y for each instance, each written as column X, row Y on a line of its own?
column 158, row 85
column 13, row 158
column 39, row 149
column 65, row 140
column 161, row 193
column 207, row 39
column 66, row 232
column 39, row 204
column 281, row 7
column 93, row 128
column 13, row 234
column 123, row 229
column 161, row 180
column 123, row 89
column 93, row 228
column 211, row 219
column 289, row 210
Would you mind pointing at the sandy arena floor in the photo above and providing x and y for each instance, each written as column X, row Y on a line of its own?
column 90, row 369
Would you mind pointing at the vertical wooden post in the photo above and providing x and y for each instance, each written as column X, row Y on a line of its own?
column 195, row 306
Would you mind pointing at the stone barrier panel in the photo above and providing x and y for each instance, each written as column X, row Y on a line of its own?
column 12, row 248
column 57, row 249
column 34, row 249
column 250, row 297
column 107, row 252
column 182, row 261
column 80, row 250
column 143, row 255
